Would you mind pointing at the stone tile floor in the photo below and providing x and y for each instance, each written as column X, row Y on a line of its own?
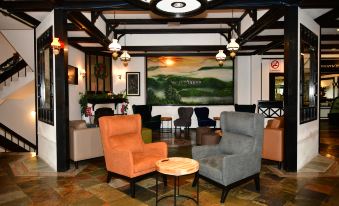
column 88, row 187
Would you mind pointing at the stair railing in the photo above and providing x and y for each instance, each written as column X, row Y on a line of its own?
column 17, row 139
column 14, row 70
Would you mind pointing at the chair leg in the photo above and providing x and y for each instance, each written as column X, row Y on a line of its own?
column 195, row 180
column 132, row 187
column 164, row 179
column 224, row 193
column 279, row 165
column 76, row 164
column 109, row 176
column 257, row 182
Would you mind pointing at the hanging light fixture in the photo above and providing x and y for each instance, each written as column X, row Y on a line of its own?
column 233, row 46
column 114, row 46
column 221, row 56
column 176, row 8
column 125, row 57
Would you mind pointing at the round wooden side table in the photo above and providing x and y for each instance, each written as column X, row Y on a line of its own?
column 176, row 167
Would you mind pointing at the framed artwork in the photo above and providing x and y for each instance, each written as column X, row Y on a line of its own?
column 133, row 83
column 72, row 75
column 189, row 80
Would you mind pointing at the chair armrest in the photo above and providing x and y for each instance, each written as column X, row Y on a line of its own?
column 239, row 166
column 277, row 133
column 157, row 148
column 199, row 152
column 119, row 161
column 155, row 118
column 273, row 144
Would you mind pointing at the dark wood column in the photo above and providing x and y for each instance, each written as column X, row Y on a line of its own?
column 61, row 93
column 291, row 112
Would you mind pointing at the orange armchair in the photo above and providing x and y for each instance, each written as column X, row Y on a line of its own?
column 273, row 144
column 126, row 155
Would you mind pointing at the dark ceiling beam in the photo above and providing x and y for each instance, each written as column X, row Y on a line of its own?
column 72, row 27
column 82, row 22
column 319, row 3
column 276, row 25
column 328, row 20
column 166, row 21
column 329, row 46
column 31, row 20
column 71, row 5
column 272, row 45
column 169, row 31
column 82, row 40
column 265, row 21
column 330, row 37
column 21, row 17
column 267, row 38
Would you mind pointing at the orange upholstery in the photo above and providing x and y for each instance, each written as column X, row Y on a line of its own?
column 273, row 144
column 125, row 152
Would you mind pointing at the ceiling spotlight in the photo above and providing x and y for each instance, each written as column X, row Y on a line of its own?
column 178, row 5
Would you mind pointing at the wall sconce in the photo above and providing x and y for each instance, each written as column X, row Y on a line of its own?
column 83, row 74
column 57, row 45
column 119, row 76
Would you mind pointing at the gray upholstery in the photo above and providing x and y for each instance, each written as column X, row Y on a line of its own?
column 238, row 155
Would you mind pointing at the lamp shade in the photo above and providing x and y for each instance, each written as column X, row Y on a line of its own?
column 233, row 45
column 114, row 46
column 221, row 56
column 125, row 57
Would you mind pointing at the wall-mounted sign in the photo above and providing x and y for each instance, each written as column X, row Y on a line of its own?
column 277, row 66
column 329, row 66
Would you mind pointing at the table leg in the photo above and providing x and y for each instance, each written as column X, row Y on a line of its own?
column 197, row 189
column 156, row 189
column 175, row 190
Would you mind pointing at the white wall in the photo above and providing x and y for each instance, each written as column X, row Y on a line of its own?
column 308, row 133
column 6, row 49
column 242, row 80
column 23, row 42
column 76, row 58
column 47, row 133
column 16, row 114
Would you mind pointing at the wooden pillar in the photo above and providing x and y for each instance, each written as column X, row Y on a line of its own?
column 291, row 112
column 61, row 92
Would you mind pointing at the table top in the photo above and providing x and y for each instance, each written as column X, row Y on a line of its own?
column 177, row 166
column 166, row 118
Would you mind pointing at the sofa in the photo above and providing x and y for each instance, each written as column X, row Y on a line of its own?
column 85, row 143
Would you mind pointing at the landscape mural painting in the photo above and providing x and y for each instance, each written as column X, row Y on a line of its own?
column 189, row 80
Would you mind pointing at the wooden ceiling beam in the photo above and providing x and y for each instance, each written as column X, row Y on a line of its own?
column 82, row 22
column 269, row 18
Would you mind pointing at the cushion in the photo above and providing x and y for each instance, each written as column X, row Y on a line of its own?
column 232, row 143
column 146, row 134
column 78, row 124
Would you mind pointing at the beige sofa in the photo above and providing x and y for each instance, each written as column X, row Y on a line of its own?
column 85, row 143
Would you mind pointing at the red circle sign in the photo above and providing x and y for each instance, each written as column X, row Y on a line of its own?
column 275, row 64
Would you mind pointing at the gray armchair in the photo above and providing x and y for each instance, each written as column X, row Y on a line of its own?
column 237, row 157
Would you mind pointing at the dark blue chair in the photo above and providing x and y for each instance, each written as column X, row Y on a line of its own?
column 146, row 116
column 202, row 116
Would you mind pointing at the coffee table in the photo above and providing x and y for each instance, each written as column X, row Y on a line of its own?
column 176, row 167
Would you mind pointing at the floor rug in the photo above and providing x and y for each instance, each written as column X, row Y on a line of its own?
column 33, row 166
column 176, row 142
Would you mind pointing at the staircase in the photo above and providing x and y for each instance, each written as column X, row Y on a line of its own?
column 10, row 141
column 14, row 74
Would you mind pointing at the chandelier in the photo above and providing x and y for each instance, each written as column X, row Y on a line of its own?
column 176, row 8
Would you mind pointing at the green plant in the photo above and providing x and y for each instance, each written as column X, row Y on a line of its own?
column 83, row 101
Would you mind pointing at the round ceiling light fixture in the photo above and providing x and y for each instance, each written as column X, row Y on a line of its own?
column 176, row 8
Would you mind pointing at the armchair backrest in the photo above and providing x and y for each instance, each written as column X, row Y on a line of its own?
column 242, row 132
column 123, row 131
column 275, row 123
column 144, row 110
column 245, row 108
column 185, row 112
column 201, row 112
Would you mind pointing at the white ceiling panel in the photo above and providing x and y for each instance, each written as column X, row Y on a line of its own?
column 257, row 43
column 77, row 34
column 90, row 45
